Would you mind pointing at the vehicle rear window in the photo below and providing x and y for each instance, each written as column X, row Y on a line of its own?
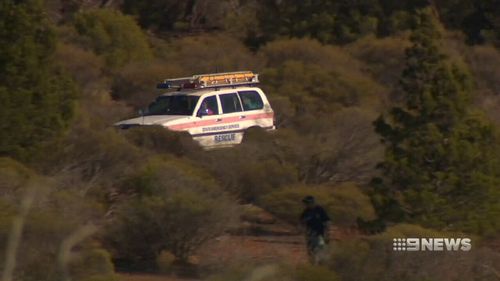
column 230, row 103
column 251, row 100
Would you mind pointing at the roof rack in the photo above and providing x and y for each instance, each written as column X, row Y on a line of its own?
column 213, row 80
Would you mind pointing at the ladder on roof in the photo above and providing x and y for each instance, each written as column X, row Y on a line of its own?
column 212, row 80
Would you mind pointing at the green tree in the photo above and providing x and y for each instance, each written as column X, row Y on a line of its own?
column 327, row 21
column 440, row 168
column 479, row 20
column 114, row 36
column 36, row 97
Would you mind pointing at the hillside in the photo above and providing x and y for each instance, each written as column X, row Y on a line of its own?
column 386, row 112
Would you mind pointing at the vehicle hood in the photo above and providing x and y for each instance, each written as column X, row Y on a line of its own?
column 151, row 120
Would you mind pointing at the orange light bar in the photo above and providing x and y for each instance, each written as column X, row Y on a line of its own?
column 213, row 80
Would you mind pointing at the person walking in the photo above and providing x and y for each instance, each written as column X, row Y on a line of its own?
column 316, row 221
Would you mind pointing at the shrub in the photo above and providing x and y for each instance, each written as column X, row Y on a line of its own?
column 337, row 148
column 170, row 15
column 161, row 140
column 314, row 273
column 136, row 83
column 42, row 237
column 95, row 102
column 165, row 262
column 174, row 208
column 115, row 36
column 372, row 258
column 92, row 163
column 93, row 265
column 484, row 63
column 208, row 54
column 384, row 58
column 251, row 169
column 344, row 203
column 275, row 272
column 317, row 78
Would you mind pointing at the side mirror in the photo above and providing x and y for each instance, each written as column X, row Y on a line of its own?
column 199, row 114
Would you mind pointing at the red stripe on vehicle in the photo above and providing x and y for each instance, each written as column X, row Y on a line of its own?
column 225, row 120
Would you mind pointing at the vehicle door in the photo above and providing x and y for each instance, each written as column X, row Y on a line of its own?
column 255, row 112
column 230, row 129
column 207, row 119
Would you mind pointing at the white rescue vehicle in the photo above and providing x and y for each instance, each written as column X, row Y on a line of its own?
column 216, row 109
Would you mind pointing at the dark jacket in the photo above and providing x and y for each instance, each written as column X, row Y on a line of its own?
column 315, row 220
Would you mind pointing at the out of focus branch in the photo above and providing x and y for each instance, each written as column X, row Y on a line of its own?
column 16, row 233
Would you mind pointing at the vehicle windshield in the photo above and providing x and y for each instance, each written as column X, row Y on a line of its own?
column 173, row 105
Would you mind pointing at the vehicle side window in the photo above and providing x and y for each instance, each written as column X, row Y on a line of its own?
column 230, row 103
column 251, row 100
column 208, row 106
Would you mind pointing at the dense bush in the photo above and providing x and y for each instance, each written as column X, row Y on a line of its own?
column 433, row 142
column 45, row 228
column 173, row 207
column 135, row 84
column 171, row 15
column 113, row 35
column 163, row 196
column 317, row 78
column 384, row 58
column 160, row 140
column 37, row 98
column 372, row 258
column 209, row 53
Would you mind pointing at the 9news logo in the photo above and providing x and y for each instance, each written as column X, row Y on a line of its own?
column 431, row 244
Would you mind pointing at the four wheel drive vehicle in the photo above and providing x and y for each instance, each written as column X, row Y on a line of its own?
column 215, row 109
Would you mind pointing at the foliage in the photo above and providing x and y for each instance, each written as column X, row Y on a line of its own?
column 483, row 62
column 316, row 78
column 209, row 53
column 344, row 203
column 328, row 67
column 432, row 172
column 91, row 163
column 268, row 170
column 345, row 149
column 330, row 22
column 159, row 140
column 47, row 238
column 276, row 272
column 171, row 15
column 385, row 58
column 93, row 265
column 96, row 106
column 135, row 83
column 37, row 98
column 113, row 35
column 174, row 209
column 477, row 19
column 372, row 258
